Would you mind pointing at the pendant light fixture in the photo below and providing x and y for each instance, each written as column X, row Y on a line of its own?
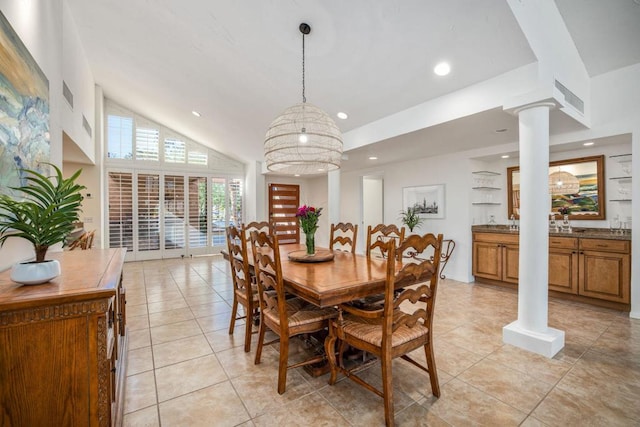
column 303, row 140
column 561, row 182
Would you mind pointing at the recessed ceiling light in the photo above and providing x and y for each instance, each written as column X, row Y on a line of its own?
column 320, row 169
column 342, row 115
column 442, row 69
column 195, row 113
column 373, row 158
column 505, row 156
column 501, row 130
column 589, row 144
column 297, row 174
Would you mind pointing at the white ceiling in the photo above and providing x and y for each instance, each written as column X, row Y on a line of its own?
column 239, row 63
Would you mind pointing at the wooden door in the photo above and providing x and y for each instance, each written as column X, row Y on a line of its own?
column 284, row 200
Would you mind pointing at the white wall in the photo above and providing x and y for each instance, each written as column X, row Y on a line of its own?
column 77, row 74
column 38, row 23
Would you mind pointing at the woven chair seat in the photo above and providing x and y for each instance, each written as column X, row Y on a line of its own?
column 370, row 330
column 254, row 293
column 300, row 312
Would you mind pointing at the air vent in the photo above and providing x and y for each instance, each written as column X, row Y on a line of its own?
column 68, row 95
column 86, row 125
column 571, row 98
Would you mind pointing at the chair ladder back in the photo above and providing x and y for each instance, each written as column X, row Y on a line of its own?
column 238, row 257
column 343, row 234
column 268, row 271
column 417, row 267
column 378, row 235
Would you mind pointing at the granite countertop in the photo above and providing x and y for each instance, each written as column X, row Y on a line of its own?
column 583, row 232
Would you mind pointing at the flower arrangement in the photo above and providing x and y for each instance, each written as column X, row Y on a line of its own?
column 308, row 217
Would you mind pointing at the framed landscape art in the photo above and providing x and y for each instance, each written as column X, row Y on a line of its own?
column 427, row 200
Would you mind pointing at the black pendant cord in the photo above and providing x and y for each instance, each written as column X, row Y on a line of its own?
column 304, row 98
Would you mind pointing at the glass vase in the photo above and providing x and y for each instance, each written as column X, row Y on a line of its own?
column 310, row 240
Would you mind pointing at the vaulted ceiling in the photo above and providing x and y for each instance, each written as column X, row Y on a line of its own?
column 239, row 63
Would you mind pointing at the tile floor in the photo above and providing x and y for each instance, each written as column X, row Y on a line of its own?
column 186, row 370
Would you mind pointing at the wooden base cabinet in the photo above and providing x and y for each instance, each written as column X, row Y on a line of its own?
column 496, row 256
column 597, row 269
column 63, row 344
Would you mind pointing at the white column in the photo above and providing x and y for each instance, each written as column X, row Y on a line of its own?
column 635, row 223
column 333, row 195
column 531, row 330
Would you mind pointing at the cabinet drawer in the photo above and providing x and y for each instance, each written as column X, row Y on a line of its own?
column 621, row 246
column 563, row 242
column 496, row 237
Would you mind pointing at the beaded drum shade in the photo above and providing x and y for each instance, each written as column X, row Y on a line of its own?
column 563, row 183
column 303, row 140
column 285, row 153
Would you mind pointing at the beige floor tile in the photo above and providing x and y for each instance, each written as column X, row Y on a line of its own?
column 172, row 304
column 417, row 415
column 170, row 316
column 542, row 368
column 221, row 340
column 508, row 385
column 215, row 323
column 313, row 409
column 147, row 417
column 211, row 308
column 203, row 299
column 475, row 338
column 462, row 404
column 139, row 338
column 451, row 358
column 139, row 360
column 174, row 331
column 139, row 392
column 185, row 377
column 164, row 296
column 216, row 405
column 177, row 351
column 137, row 310
column 135, row 323
column 258, row 388
column 563, row 408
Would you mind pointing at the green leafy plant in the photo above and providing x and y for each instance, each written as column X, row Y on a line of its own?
column 47, row 214
column 410, row 218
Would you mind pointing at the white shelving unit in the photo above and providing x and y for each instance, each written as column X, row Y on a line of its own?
column 624, row 179
column 485, row 193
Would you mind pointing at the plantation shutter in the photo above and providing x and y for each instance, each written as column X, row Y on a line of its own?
column 120, row 210
column 197, row 212
column 174, row 214
column 147, row 144
column 148, row 212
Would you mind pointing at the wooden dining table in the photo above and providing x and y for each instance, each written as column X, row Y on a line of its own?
column 344, row 278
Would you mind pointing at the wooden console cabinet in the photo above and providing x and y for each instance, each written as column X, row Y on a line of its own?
column 63, row 344
column 588, row 269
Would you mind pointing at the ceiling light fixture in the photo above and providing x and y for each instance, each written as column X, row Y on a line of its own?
column 504, row 156
column 195, row 113
column 342, row 115
column 442, row 69
column 303, row 139
column 373, row 158
column 589, row 144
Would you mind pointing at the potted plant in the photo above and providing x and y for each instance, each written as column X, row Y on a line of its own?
column 410, row 218
column 45, row 217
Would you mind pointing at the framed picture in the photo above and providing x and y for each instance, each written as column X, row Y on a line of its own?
column 24, row 115
column 576, row 186
column 427, row 200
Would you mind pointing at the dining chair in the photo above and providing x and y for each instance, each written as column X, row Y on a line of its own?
column 378, row 235
column 286, row 317
column 245, row 292
column 256, row 226
column 343, row 237
column 402, row 325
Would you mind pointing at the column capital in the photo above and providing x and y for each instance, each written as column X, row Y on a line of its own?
column 543, row 97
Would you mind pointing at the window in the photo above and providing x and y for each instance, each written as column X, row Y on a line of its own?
column 147, row 144
column 120, row 141
column 198, row 158
column 121, row 210
column 174, row 150
column 148, row 212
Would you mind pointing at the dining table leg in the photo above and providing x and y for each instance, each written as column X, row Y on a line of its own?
column 330, row 350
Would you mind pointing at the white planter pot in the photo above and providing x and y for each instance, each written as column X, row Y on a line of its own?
column 35, row 273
